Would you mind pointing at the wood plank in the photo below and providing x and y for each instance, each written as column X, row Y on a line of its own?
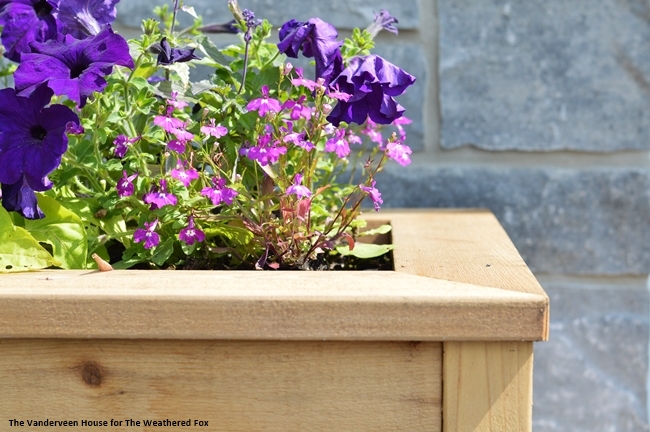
column 488, row 386
column 262, row 305
column 458, row 278
column 234, row 385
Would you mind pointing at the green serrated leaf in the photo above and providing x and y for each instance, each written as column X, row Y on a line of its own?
column 364, row 250
column 237, row 235
column 19, row 250
column 63, row 230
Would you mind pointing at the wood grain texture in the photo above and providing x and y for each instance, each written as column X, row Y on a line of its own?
column 235, row 385
column 442, row 289
column 488, row 386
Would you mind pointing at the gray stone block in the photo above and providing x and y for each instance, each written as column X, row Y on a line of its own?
column 545, row 75
column 343, row 14
column 562, row 221
column 591, row 374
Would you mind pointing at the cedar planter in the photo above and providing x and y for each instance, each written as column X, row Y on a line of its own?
column 445, row 342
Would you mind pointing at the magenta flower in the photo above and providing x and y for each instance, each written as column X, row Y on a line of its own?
column 374, row 194
column 149, row 236
column 176, row 145
column 398, row 123
column 295, row 138
column 182, row 134
column 372, row 82
column 72, row 67
column 302, row 81
column 338, row 144
column 372, row 131
column 216, row 131
column 265, row 152
column 184, row 176
column 190, row 234
column 353, row 138
column 298, row 189
column 167, row 122
column 32, row 141
column 399, row 152
column 264, row 104
column 177, row 104
column 158, row 197
column 219, row 193
column 297, row 108
column 317, row 39
column 125, row 186
column 121, row 145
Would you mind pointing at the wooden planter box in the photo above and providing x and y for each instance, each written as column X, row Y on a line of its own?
column 445, row 342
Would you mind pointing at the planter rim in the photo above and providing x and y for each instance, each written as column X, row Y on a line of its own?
column 457, row 277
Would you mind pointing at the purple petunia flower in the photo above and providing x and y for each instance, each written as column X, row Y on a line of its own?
column 315, row 38
column 72, row 67
column 27, row 21
column 125, row 186
column 149, row 235
column 264, row 104
column 338, row 144
column 190, row 234
column 219, row 193
column 20, row 197
column 372, row 82
column 383, row 21
column 169, row 55
column 32, row 138
column 374, row 194
column 298, row 189
column 83, row 18
column 158, row 197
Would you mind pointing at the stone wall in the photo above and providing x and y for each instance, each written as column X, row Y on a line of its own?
column 540, row 111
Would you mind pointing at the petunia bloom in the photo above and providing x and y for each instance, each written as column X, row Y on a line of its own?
column 374, row 194
column 20, row 197
column 191, row 234
column 383, row 21
column 27, row 21
column 372, row 82
column 298, row 189
column 169, row 55
column 317, row 39
column 72, row 67
column 32, row 140
column 219, row 193
column 149, row 235
column 83, row 18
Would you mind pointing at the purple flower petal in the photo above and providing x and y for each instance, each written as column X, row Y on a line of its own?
column 20, row 197
column 27, row 21
column 83, row 18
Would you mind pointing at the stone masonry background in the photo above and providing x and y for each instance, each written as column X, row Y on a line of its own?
column 540, row 111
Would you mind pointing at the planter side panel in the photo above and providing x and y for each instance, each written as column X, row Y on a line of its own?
column 234, row 385
column 488, row 386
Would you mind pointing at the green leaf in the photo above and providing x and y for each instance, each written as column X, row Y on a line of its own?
column 238, row 236
column 163, row 252
column 210, row 49
column 63, row 230
column 384, row 229
column 19, row 251
column 364, row 250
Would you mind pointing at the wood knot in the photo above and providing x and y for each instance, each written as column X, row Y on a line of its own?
column 91, row 373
